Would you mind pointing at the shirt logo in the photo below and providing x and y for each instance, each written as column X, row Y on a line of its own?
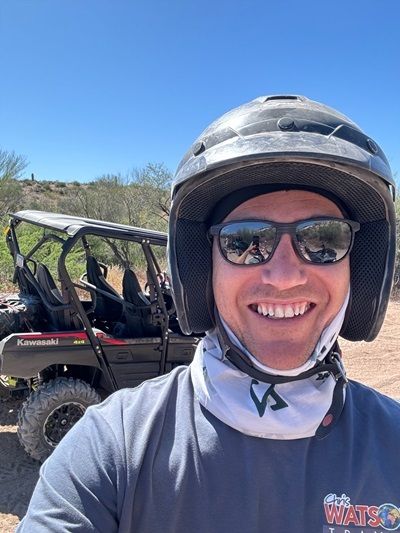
column 343, row 516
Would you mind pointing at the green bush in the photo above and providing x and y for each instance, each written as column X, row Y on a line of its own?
column 48, row 254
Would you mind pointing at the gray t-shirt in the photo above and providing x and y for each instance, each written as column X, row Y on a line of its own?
column 153, row 460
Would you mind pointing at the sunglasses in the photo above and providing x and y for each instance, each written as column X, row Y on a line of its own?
column 318, row 241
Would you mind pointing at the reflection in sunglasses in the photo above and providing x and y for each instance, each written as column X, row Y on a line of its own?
column 319, row 241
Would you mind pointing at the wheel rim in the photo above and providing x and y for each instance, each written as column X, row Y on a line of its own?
column 61, row 420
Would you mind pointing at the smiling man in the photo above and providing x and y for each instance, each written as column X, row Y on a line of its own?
column 256, row 303
column 282, row 237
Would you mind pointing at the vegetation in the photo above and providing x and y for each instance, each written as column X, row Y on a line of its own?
column 11, row 167
column 139, row 199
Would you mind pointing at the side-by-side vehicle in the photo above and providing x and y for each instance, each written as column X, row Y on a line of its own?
column 77, row 337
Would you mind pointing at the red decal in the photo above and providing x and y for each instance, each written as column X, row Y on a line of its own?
column 110, row 340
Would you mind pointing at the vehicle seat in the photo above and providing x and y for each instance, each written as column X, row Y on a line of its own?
column 25, row 285
column 104, row 308
column 139, row 314
column 64, row 319
column 131, row 289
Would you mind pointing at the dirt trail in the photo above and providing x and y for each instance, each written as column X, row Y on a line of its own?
column 18, row 472
column 376, row 364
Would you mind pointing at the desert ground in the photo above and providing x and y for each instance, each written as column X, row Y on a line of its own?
column 376, row 363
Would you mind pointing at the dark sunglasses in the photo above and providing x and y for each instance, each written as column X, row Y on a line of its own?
column 316, row 240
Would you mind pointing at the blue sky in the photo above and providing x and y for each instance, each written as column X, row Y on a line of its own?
column 90, row 87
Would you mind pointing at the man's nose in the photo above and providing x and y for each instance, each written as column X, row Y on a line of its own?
column 285, row 269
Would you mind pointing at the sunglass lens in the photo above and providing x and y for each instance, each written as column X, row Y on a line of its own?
column 247, row 242
column 324, row 241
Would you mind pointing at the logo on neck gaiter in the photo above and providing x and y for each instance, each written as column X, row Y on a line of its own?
column 269, row 394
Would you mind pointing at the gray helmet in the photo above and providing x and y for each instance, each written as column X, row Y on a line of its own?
column 278, row 142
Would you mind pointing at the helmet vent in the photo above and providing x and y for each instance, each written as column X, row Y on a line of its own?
column 198, row 148
column 282, row 97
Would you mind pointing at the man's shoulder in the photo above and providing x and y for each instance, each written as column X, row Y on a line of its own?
column 153, row 396
column 367, row 399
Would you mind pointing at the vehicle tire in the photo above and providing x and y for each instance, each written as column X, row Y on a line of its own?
column 50, row 411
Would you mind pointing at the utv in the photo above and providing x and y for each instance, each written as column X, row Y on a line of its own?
column 78, row 340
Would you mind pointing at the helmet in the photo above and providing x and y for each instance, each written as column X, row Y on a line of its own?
column 278, row 142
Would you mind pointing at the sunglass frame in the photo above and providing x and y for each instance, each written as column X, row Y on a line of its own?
column 285, row 228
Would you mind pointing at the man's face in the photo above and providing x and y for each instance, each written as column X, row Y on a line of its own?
column 285, row 280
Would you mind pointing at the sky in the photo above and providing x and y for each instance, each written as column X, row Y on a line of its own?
column 92, row 87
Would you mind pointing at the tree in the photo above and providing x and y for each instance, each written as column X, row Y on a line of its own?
column 10, row 196
column 11, row 168
column 140, row 198
column 11, row 165
column 155, row 181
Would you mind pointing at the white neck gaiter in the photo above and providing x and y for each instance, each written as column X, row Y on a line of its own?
column 283, row 411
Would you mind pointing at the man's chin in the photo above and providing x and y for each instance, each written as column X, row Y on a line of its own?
column 281, row 355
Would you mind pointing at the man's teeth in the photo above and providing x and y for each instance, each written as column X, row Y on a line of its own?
column 283, row 311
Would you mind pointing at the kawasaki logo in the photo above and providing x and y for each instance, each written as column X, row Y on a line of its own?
column 38, row 342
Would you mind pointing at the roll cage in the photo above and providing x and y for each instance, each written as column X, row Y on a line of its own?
column 75, row 314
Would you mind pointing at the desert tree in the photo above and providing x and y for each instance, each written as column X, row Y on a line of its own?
column 11, row 167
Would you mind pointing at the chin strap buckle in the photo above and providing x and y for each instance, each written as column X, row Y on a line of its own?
column 341, row 372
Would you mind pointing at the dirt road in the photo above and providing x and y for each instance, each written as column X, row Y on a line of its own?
column 377, row 364
column 18, row 473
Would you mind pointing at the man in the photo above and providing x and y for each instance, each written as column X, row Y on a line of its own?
column 264, row 419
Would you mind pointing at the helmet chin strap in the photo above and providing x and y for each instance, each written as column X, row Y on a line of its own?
column 331, row 364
